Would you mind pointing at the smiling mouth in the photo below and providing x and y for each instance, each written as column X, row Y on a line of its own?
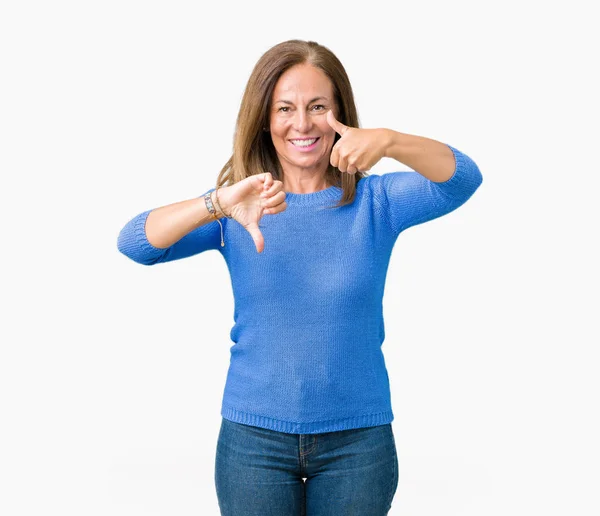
column 304, row 142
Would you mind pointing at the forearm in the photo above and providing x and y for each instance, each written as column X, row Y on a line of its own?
column 430, row 158
column 169, row 224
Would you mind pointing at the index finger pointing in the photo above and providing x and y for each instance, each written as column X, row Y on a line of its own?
column 338, row 127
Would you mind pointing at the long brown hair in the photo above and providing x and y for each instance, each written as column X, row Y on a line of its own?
column 253, row 150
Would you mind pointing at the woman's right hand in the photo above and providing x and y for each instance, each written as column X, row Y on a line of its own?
column 248, row 200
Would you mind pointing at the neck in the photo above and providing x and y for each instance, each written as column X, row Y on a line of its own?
column 304, row 181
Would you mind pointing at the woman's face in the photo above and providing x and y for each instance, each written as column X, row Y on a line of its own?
column 301, row 135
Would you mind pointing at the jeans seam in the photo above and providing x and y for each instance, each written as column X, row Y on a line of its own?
column 312, row 449
column 394, row 480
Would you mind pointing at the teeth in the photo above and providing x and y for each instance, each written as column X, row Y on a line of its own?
column 304, row 143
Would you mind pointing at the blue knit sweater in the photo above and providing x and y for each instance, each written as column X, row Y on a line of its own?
column 308, row 315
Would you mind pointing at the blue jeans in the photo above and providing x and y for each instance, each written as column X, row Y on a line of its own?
column 261, row 472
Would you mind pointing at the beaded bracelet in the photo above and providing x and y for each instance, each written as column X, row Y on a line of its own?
column 213, row 212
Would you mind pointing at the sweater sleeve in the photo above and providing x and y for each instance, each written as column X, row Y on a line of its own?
column 408, row 198
column 134, row 244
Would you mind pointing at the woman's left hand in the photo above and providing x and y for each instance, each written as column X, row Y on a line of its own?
column 357, row 149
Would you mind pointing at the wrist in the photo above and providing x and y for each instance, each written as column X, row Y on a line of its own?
column 220, row 201
column 391, row 142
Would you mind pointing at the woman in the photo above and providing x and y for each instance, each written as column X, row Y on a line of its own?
column 307, row 236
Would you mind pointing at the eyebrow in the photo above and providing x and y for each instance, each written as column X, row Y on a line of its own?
column 310, row 102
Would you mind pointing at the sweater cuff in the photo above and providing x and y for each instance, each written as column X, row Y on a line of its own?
column 465, row 179
column 134, row 243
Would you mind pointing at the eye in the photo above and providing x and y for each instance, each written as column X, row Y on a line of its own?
column 318, row 106
column 282, row 108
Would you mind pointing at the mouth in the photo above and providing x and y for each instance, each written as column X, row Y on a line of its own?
column 304, row 144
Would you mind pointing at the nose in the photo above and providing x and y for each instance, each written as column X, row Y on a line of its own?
column 302, row 121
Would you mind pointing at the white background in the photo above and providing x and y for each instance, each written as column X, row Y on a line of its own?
column 111, row 373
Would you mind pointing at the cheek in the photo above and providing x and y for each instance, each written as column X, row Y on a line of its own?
column 278, row 130
column 327, row 131
column 330, row 137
